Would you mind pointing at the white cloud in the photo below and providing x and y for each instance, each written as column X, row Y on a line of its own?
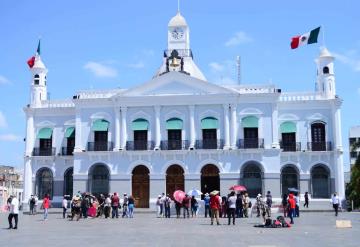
column 349, row 59
column 10, row 138
column 238, row 38
column 216, row 66
column 223, row 72
column 3, row 122
column 100, row 70
column 4, row 80
column 137, row 65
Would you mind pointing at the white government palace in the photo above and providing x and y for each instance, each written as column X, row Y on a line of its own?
column 180, row 131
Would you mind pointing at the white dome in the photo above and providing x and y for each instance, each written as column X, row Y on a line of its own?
column 324, row 52
column 177, row 20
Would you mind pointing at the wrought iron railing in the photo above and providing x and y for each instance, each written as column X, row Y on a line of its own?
column 139, row 145
column 209, row 144
column 100, row 146
column 67, row 151
column 174, row 145
column 290, row 146
column 319, row 146
column 44, row 151
column 251, row 143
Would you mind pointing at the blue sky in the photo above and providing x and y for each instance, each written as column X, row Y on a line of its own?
column 108, row 44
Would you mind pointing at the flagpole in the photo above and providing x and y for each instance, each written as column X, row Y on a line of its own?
column 323, row 35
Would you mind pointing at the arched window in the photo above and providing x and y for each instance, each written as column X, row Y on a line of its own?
column 289, row 179
column 44, row 183
column 320, row 182
column 252, row 179
column 326, row 70
column 210, row 178
column 68, row 181
column 36, row 79
column 99, row 178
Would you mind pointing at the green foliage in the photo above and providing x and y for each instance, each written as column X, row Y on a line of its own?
column 353, row 188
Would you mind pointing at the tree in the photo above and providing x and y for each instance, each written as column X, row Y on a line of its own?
column 354, row 185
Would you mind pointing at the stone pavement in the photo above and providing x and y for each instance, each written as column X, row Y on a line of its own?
column 311, row 229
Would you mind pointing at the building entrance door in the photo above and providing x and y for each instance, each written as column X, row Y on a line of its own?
column 141, row 186
column 210, row 179
column 174, row 179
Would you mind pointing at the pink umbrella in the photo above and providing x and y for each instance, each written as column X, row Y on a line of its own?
column 179, row 195
column 240, row 188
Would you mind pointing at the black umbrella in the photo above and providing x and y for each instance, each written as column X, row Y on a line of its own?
column 293, row 190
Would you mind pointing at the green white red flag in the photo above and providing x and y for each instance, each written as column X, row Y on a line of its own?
column 31, row 60
column 305, row 39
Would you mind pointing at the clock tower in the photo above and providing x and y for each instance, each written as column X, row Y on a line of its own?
column 178, row 33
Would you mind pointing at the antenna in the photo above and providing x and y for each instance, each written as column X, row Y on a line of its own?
column 238, row 69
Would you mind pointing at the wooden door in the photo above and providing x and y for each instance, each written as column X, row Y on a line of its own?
column 174, row 179
column 141, row 186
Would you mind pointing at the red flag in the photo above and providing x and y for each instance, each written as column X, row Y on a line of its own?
column 31, row 62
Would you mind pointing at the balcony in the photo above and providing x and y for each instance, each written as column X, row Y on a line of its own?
column 67, row 151
column 139, row 145
column 44, row 152
column 290, row 146
column 319, row 146
column 209, row 144
column 174, row 145
column 100, row 146
column 251, row 143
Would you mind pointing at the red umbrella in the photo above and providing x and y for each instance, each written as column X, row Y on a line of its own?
column 179, row 195
column 240, row 188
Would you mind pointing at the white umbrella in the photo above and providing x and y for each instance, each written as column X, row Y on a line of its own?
column 194, row 192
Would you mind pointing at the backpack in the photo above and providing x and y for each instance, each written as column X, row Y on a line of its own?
column 250, row 204
column 268, row 222
column 32, row 201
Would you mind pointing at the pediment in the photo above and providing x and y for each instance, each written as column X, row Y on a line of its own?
column 175, row 83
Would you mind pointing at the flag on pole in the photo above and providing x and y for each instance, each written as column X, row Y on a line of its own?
column 31, row 60
column 305, row 39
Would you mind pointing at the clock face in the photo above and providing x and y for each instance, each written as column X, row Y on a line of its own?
column 177, row 33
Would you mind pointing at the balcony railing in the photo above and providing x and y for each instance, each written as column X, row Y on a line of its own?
column 209, row 144
column 139, row 145
column 174, row 145
column 249, row 143
column 67, row 151
column 290, row 146
column 100, row 146
column 319, row 146
column 44, row 152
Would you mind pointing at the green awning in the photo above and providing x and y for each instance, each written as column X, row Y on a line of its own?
column 288, row 127
column 209, row 123
column 70, row 132
column 100, row 125
column 250, row 122
column 44, row 133
column 174, row 124
column 140, row 124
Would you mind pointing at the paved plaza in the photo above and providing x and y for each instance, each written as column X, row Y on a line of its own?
column 312, row 229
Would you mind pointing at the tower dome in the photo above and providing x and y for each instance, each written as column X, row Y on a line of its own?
column 177, row 20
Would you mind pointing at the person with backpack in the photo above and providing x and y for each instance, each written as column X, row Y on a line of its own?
column 215, row 208
column 231, row 207
column 167, row 205
column 207, row 205
column 306, row 197
column 292, row 205
column 268, row 203
column 32, row 204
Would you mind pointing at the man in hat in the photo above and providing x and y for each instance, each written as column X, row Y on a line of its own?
column 207, row 205
column 14, row 212
column 215, row 207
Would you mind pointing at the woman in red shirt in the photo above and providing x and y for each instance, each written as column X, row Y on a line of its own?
column 46, row 205
column 292, row 205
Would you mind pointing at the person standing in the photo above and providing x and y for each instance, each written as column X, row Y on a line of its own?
column 107, row 206
column 36, row 203
column 167, row 205
column 335, row 202
column 306, row 197
column 186, row 205
column 125, row 206
column 268, row 204
column 178, row 209
column 239, row 206
column 297, row 205
column 14, row 212
column 32, row 204
column 231, row 207
column 84, row 205
column 194, row 206
column 215, row 206
column 258, row 202
column 207, row 205
column 292, row 205
column 115, row 205
column 64, row 206
column 284, row 204
column 246, row 205
column 131, row 205
column 162, row 200
column 46, row 205
column 158, row 202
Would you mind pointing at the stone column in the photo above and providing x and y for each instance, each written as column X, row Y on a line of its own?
column 157, row 127
column 79, row 146
column 117, row 128
column 338, row 150
column 275, row 127
column 123, row 136
column 192, row 126
column 30, row 134
column 27, row 181
column 234, row 127
column 226, row 127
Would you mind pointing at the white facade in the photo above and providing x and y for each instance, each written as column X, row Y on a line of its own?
column 237, row 129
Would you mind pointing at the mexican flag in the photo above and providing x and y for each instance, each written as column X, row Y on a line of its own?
column 31, row 60
column 307, row 38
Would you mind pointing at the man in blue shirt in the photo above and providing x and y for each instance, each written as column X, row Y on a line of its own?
column 207, row 204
